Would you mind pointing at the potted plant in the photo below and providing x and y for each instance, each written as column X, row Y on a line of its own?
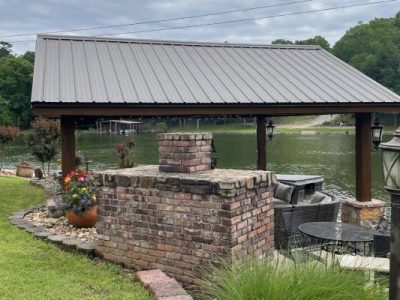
column 79, row 199
column 25, row 169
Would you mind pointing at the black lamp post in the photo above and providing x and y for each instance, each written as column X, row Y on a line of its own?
column 270, row 129
column 391, row 176
column 376, row 131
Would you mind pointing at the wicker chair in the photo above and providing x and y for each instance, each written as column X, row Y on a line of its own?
column 318, row 212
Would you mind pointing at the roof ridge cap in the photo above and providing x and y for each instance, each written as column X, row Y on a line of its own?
column 175, row 42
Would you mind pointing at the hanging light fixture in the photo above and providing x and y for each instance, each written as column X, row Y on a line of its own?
column 377, row 131
column 270, row 129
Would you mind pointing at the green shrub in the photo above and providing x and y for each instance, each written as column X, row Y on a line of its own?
column 43, row 140
column 260, row 279
column 7, row 135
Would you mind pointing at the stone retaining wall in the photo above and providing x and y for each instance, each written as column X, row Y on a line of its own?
column 148, row 219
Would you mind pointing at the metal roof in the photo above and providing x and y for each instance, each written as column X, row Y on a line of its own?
column 71, row 69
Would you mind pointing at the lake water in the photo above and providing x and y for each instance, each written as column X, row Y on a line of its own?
column 330, row 155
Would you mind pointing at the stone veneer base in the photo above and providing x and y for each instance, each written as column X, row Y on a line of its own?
column 366, row 213
column 180, row 223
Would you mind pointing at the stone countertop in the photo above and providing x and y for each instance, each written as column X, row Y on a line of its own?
column 223, row 182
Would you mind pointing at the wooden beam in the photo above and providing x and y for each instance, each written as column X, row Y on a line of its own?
column 67, row 144
column 118, row 109
column 261, row 143
column 363, row 157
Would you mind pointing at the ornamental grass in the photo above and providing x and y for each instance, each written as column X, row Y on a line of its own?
column 261, row 279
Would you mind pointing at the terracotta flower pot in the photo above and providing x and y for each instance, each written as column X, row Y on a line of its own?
column 87, row 219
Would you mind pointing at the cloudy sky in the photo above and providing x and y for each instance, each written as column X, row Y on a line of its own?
column 24, row 16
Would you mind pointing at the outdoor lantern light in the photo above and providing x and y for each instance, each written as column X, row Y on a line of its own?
column 391, row 178
column 377, row 131
column 391, row 163
column 270, row 129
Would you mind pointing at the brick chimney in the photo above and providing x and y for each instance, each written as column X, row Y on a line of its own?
column 184, row 152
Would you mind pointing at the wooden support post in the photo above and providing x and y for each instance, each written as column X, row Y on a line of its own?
column 363, row 157
column 261, row 143
column 67, row 145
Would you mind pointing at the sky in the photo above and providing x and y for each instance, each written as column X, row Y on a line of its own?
column 24, row 16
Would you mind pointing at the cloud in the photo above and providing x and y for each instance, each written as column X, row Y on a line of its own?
column 50, row 15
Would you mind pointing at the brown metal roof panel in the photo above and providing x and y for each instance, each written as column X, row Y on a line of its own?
column 306, row 74
column 337, row 82
column 99, row 70
column 111, row 81
column 360, row 87
column 223, row 81
column 233, row 72
column 135, row 74
column 121, row 71
column 261, row 86
column 198, row 75
column 96, row 76
column 357, row 77
column 171, row 92
column 67, row 73
column 221, row 92
column 169, row 65
column 284, row 74
column 157, row 92
column 180, row 71
column 82, row 83
column 299, row 77
column 38, row 72
column 52, row 74
column 265, row 75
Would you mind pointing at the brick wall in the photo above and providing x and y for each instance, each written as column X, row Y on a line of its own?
column 184, row 152
column 178, row 223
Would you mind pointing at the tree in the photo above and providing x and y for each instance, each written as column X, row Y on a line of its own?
column 374, row 49
column 282, row 42
column 317, row 40
column 15, row 88
column 29, row 56
column 5, row 49
column 5, row 114
column 44, row 140
column 7, row 135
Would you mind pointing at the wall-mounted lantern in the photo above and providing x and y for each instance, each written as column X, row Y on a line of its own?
column 376, row 131
column 270, row 129
column 391, row 178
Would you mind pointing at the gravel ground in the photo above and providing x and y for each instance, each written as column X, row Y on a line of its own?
column 60, row 225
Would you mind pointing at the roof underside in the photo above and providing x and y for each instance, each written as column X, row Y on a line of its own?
column 93, row 70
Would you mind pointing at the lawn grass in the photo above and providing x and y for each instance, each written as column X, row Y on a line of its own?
column 34, row 269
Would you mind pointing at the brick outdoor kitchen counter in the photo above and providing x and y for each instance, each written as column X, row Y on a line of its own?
column 180, row 222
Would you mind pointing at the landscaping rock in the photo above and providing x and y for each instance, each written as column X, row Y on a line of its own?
column 33, row 229
column 43, row 234
column 53, row 210
column 57, row 239
column 87, row 247
column 23, row 224
column 40, row 217
column 71, row 243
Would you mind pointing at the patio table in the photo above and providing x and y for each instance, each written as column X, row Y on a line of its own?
column 341, row 234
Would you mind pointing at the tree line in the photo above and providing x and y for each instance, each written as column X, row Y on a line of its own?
column 373, row 48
